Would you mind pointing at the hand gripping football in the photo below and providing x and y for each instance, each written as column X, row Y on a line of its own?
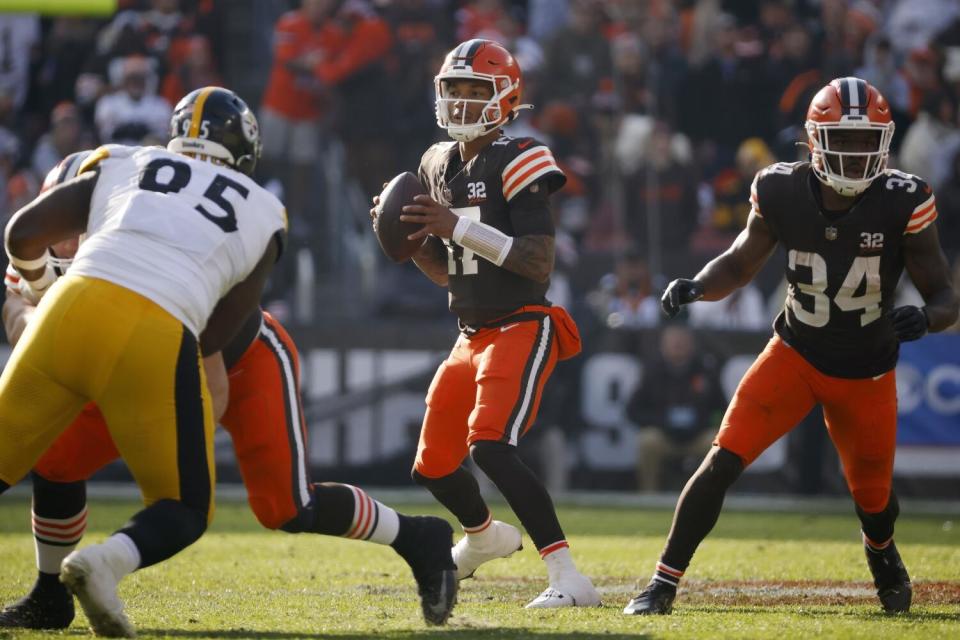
column 391, row 231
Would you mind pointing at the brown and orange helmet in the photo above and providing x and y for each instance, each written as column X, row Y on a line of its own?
column 486, row 61
column 848, row 104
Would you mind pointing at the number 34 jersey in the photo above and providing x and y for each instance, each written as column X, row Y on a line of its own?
column 506, row 186
column 179, row 231
column 842, row 270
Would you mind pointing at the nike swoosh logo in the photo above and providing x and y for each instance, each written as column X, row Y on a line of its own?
column 524, row 144
column 509, row 326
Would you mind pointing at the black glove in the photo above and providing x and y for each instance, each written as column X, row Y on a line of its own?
column 909, row 323
column 680, row 292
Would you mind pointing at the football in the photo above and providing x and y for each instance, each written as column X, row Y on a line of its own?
column 391, row 231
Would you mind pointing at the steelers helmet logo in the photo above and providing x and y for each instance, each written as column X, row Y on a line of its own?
column 248, row 122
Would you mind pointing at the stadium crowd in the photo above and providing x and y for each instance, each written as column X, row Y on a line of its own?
column 659, row 111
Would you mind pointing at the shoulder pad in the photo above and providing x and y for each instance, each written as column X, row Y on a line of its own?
column 913, row 194
column 527, row 160
column 103, row 152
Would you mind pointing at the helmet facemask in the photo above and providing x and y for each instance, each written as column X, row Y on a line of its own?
column 832, row 165
column 493, row 113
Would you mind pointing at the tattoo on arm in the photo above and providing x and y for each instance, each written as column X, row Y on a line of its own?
column 431, row 258
column 531, row 257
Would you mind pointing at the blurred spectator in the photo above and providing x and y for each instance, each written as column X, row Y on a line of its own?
column 948, row 208
column 727, row 97
column 67, row 134
column 728, row 201
column 17, row 187
column 676, row 407
column 665, row 66
column 934, row 130
column 478, row 16
column 69, row 45
column 624, row 299
column 578, row 67
column 508, row 31
column 421, row 35
column 660, row 190
column 546, row 17
column 133, row 112
column 913, row 24
column 195, row 69
column 956, row 287
column 922, row 72
column 19, row 41
column 322, row 45
column 880, row 69
column 630, row 74
column 742, row 310
column 150, row 32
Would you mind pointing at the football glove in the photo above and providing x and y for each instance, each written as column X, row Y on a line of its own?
column 909, row 323
column 679, row 293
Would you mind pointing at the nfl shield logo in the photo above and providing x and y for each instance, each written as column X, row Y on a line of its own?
column 830, row 233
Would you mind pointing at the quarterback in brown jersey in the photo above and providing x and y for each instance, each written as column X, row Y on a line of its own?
column 849, row 226
column 489, row 238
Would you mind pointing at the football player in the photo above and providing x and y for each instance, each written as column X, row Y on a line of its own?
column 849, row 226
column 488, row 237
column 176, row 246
column 265, row 420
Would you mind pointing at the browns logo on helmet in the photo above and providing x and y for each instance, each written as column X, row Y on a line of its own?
column 482, row 61
column 849, row 130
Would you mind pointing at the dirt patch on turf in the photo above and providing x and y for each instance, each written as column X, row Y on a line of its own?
column 807, row 592
column 738, row 592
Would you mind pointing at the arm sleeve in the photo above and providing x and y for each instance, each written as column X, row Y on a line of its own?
column 530, row 211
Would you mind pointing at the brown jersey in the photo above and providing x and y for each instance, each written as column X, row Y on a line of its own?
column 842, row 268
column 505, row 186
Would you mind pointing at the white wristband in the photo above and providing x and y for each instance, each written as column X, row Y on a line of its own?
column 485, row 241
column 28, row 265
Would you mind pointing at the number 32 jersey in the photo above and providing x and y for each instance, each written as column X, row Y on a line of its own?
column 842, row 270
column 506, row 186
column 179, row 231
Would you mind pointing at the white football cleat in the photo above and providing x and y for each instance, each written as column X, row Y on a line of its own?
column 88, row 575
column 506, row 540
column 574, row 590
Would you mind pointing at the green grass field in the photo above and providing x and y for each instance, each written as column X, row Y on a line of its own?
column 757, row 576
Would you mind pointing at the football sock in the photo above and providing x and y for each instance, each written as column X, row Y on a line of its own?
column 523, row 491
column 163, row 529
column 59, row 521
column 123, row 555
column 667, row 575
column 460, row 494
column 372, row 520
column 699, row 507
column 878, row 527
column 558, row 560
column 330, row 513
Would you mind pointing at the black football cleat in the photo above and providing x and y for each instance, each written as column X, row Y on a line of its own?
column 40, row 609
column 890, row 578
column 655, row 599
column 427, row 551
